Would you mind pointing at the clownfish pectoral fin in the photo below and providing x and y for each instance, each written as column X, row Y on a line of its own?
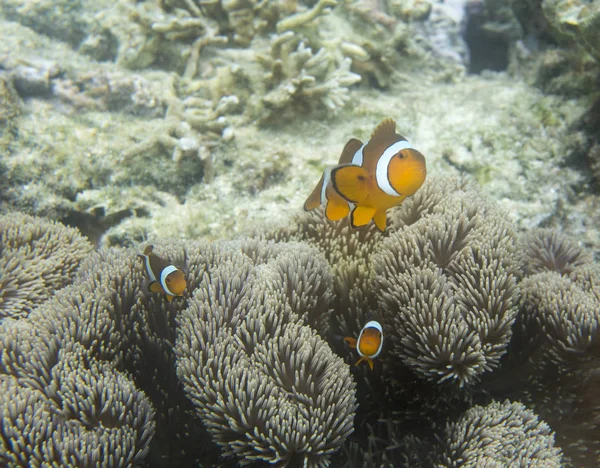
column 387, row 127
column 349, row 151
column 314, row 199
column 380, row 219
column 370, row 361
column 148, row 250
column 351, row 341
column 169, row 297
column 155, row 287
column 336, row 211
column 362, row 215
column 350, row 182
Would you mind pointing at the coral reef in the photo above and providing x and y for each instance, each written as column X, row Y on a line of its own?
column 185, row 132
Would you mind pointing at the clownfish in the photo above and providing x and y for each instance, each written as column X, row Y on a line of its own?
column 370, row 178
column 369, row 342
column 165, row 278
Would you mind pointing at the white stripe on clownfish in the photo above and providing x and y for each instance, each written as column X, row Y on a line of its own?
column 358, row 158
column 381, row 172
column 149, row 268
column 326, row 179
column 163, row 278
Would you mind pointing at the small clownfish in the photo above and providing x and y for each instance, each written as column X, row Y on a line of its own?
column 370, row 178
column 165, row 278
column 369, row 343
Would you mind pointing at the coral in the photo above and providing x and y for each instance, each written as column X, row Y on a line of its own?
column 10, row 111
column 37, row 257
column 300, row 19
column 576, row 20
column 266, row 387
column 299, row 80
column 500, row 434
column 447, row 288
column 93, row 89
column 594, row 157
column 566, row 59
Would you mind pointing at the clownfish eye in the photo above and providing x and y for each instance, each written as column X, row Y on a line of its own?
column 168, row 279
column 401, row 155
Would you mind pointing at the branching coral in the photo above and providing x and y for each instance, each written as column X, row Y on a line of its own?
column 501, row 434
column 298, row 78
column 266, row 387
column 37, row 257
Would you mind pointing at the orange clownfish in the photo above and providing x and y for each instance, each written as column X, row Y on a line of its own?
column 369, row 343
column 165, row 278
column 370, row 178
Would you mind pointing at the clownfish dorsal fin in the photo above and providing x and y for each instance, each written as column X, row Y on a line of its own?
column 349, row 151
column 350, row 182
column 148, row 249
column 386, row 128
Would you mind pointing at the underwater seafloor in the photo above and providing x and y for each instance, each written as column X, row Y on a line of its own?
column 200, row 127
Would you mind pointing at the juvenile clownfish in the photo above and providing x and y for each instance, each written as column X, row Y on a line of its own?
column 369, row 342
column 165, row 278
column 370, row 178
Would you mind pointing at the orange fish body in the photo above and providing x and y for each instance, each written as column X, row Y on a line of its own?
column 369, row 342
column 165, row 278
column 370, row 178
